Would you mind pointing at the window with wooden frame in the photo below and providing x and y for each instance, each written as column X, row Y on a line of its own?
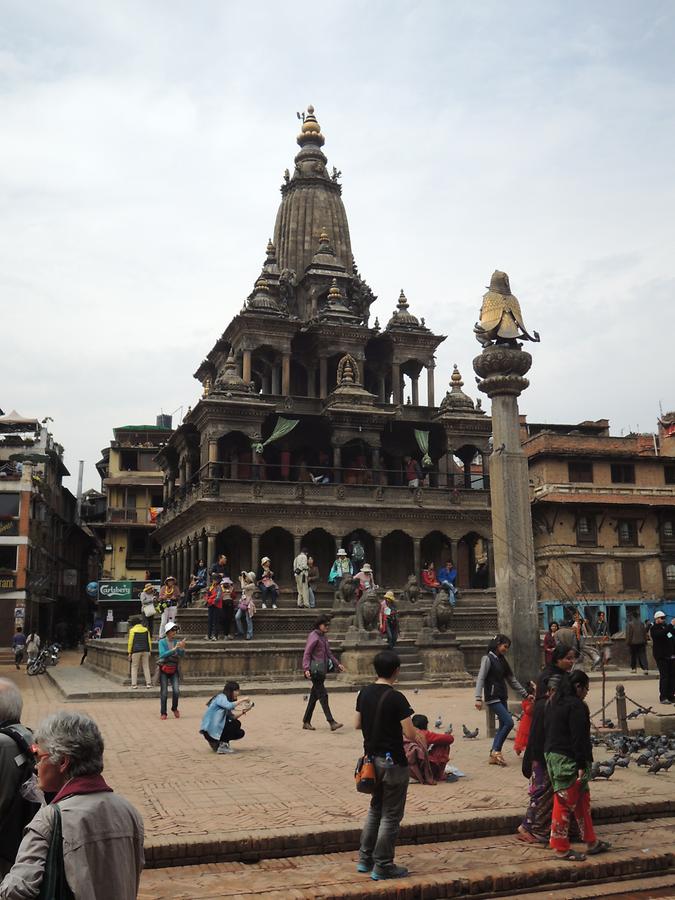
column 580, row 471
column 630, row 574
column 587, row 531
column 668, row 530
column 588, row 578
column 669, row 474
column 623, row 473
column 627, row 532
column 669, row 576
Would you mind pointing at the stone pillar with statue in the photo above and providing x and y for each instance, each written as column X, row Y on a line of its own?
column 501, row 368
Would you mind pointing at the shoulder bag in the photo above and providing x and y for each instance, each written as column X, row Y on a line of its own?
column 54, row 885
column 365, row 775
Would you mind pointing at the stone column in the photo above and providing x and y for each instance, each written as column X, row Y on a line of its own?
column 201, row 543
column 337, row 465
column 193, row 555
column 296, row 545
column 491, row 562
column 162, row 567
column 213, row 457
column 211, row 550
column 246, row 366
column 286, row 374
column 486, row 470
column 276, row 380
column 396, row 383
column 186, row 568
column 311, row 381
column 417, row 553
column 430, row 384
column 375, row 464
column 255, row 552
column 378, row 558
column 415, row 381
column 323, row 377
column 188, row 472
column 501, row 368
column 165, row 491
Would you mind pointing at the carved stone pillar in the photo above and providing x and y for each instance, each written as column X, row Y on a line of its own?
column 213, row 451
column 396, row 383
column 323, row 377
column 491, row 562
column 162, row 567
column 286, row 374
column 337, row 465
column 378, row 558
column 165, row 491
column 375, row 464
column 193, row 556
column 502, row 369
column 296, row 544
column 186, row 568
column 311, row 381
column 417, row 552
column 255, row 552
column 188, row 472
column 201, row 543
column 415, row 390
column 246, row 366
column 211, row 550
column 276, row 379
column 430, row 384
column 485, row 457
column 381, row 389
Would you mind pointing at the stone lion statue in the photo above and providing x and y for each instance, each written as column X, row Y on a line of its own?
column 346, row 590
column 367, row 611
column 440, row 614
column 412, row 590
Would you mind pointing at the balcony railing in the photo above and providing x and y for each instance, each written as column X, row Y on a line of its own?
column 355, row 487
column 632, row 492
column 140, row 515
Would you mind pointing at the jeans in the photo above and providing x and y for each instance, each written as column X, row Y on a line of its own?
column 392, row 633
column 387, row 805
column 318, row 694
column 505, row 724
column 312, row 598
column 214, row 615
column 269, row 595
column 164, row 680
column 452, row 591
column 637, row 654
column 240, row 616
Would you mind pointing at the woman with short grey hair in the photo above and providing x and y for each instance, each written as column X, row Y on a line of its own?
column 99, row 835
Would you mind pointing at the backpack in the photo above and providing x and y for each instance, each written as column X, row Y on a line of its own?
column 22, row 807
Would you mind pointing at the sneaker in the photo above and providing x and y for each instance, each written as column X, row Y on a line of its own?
column 214, row 638
column 263, row 606
column 394, row 872
column 208, row 637
column 176, row 713
column 134, row 687
column 274, row 606
column 148, row 686
column 634, row 671
column 163, row 716
column 224, row 747
column 364, row 867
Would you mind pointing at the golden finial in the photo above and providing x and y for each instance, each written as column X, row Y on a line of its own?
column 402, row 300
column 335, row 293
column 456, row 378
column 311, row 130
column 262, row 285
column 323, row 237
column 271, row 249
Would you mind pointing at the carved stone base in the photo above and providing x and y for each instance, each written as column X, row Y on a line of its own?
column 440, row 654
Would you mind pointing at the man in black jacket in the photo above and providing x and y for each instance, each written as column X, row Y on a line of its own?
column 663, row 648
column 16, row 767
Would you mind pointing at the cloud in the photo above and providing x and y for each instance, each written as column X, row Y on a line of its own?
column 144, row 143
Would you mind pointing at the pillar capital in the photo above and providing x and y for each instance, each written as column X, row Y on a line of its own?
column 501, row 368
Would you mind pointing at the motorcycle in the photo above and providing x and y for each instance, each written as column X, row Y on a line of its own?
column 38, row 665
column 54, row 650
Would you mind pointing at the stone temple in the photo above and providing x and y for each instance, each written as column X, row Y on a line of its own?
column 299, row 438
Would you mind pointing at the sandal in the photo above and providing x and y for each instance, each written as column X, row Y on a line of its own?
column 573, row 856
column 599, row 847
column 526, row 837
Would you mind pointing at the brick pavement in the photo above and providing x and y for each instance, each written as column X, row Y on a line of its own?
column 478, row 867
column 283, row 777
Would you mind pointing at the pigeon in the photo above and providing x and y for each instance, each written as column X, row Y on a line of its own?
column 439, row 721
column 305, row 698
column 644, row 759
column 416, row 691
column 658, row 766
column 469, row 734
column 448, row 730
column 622, row 761
column 602, row 769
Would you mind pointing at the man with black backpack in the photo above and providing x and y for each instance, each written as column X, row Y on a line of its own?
column 384, row 717
column 17, row 766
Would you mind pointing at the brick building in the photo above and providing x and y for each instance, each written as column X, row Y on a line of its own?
column 603, row 513
column 46, row 557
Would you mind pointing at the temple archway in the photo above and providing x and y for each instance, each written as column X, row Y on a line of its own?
column 277, row 543
column 472, row 562
column 398, row 560
column 235, row 543
column 321, row 546
column 435, row 548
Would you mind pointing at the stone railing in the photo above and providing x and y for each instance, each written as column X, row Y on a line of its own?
column 632, row 492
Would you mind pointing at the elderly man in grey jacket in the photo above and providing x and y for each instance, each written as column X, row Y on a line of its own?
column 102, row 833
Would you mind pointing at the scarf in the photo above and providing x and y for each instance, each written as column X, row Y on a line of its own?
column 82, row 784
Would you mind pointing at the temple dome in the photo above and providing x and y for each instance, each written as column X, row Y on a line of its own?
column 311, row 202
column 455, row 399
column 402, row 317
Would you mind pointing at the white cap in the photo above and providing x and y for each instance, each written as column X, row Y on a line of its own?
column 659, row 614
column 169, row 626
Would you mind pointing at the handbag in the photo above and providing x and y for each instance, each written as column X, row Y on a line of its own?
column 149, row 610
column 54, row 885
column 317, row 667
column 365, row 774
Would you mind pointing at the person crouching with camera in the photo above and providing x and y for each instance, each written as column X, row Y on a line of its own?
column 220, row 723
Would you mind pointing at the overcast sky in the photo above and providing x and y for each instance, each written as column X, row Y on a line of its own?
column 143, row 144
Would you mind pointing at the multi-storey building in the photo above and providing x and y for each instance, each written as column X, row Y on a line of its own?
column 309, row 412
column 46, row 557
column 132, row 484
column 603, row 511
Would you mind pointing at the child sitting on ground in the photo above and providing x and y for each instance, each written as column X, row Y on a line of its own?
column 428, row 758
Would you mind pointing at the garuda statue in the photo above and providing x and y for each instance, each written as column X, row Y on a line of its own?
column 501, row 320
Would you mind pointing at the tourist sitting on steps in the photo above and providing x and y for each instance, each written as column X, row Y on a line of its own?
column 269, row 590
column 220, row 723
column 429, row 580
column 447, row 578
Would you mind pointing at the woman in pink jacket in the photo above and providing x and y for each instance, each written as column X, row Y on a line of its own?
column 318, row 659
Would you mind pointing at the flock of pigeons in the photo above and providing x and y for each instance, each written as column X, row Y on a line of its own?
column 656, row 752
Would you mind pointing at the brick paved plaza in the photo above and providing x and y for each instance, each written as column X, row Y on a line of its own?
column 290, row 784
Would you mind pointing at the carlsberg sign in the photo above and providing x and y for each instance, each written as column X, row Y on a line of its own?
column 115, row 590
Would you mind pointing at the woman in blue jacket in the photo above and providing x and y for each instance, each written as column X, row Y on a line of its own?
column 220, row 723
